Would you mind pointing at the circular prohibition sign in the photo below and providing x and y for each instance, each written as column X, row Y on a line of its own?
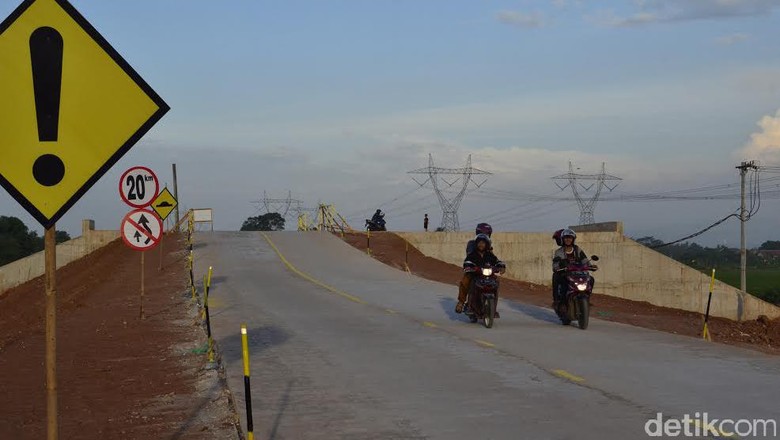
column 141, row 230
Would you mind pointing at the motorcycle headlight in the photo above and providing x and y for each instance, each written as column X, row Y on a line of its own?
column 582, row 287
column 487, row 272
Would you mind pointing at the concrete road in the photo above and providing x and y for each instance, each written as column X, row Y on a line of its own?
column 344, row 347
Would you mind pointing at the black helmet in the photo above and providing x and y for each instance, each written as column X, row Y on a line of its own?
column 485, row 238
column 484, row 228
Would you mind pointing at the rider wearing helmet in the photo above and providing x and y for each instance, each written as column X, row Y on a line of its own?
column 481, row 256
column 568, row 253
column 482, row 228
column 471, row 246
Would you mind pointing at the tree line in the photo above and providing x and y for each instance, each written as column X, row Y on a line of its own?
column 18, row 241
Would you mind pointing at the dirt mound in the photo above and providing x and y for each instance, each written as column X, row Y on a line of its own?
column 763, row 334
column 118, row 376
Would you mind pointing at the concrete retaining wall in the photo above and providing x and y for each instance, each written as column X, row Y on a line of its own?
column 26, row 269
column 627, row 270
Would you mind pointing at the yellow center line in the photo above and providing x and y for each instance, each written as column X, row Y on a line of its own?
column 560, row 373
column 309, row 278
column 704, row 428
column 566, row 375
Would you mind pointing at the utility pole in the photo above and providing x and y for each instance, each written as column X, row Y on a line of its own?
column 743, row 170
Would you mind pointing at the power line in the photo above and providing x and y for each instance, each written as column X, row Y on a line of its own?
column 695, row 234
column 587, row 204
column 450, row 203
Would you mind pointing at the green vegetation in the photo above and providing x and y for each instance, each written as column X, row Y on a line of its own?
column 763, row 273
column 272, row 221
column 763, row 282
column 17, row 241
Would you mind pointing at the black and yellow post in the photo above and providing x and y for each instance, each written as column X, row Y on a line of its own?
column 206, row 288
column 191, row 263
column 705, row 334
column 368, row 242
column 250, row 435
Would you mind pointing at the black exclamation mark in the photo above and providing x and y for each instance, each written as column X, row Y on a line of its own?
column 46, row 55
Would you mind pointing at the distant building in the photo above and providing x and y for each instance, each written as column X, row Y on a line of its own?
column 768, row 255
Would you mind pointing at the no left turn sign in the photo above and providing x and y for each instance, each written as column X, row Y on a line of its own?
column 141, row 230
column 139, row 187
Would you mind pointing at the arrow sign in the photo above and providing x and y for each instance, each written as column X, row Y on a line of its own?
column 141, row 230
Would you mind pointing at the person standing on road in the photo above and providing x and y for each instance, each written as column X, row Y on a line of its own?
column 425, row 223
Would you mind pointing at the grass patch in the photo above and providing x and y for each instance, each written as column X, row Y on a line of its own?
column 761, row 282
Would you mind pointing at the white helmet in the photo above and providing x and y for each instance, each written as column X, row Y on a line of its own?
column 569, row 233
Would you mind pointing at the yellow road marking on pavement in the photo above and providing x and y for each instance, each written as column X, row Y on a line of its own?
column 485, row 343
column 308, row 277
column 560, row 373
column 712, row 428
column 566, row 375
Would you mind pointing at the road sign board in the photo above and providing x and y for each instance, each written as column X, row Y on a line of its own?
column 164, row 204
column 71, row 107
column 141, row 229
column 138, row 187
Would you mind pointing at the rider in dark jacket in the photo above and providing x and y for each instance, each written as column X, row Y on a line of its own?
column 481, row 256
column 463, row 285
column 568, row 254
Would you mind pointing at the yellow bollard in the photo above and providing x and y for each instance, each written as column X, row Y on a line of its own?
column 250, row 435
column 207, row 286
column 192, row 279
column 705, row 334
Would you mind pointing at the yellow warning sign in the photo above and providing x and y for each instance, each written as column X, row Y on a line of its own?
column 164, row 204
column 71, row 107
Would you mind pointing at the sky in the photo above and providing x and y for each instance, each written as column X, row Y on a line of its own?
column 336, row 100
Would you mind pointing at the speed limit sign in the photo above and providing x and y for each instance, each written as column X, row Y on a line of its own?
column 139, row 187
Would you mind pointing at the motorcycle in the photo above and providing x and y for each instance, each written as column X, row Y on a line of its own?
column 483, row 295
column 378, row 225
column 576, row 303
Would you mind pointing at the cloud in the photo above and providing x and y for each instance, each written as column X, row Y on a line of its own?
column 522, row 19
column 670, row 11
column 765, row 144
column 731, row 39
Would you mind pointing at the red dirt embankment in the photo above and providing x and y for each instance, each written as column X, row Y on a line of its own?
column 763, row 335
column 118, row 376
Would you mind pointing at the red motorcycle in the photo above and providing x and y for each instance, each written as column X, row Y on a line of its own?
column 483, row 295
column 576, row 304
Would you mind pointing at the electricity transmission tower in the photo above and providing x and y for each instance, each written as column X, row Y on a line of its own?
column 450, row 202
column 586, row 202
column 281, row 206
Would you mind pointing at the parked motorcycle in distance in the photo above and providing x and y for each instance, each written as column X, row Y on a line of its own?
column 483, row 296
column 576, row 304
column 375, row 225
